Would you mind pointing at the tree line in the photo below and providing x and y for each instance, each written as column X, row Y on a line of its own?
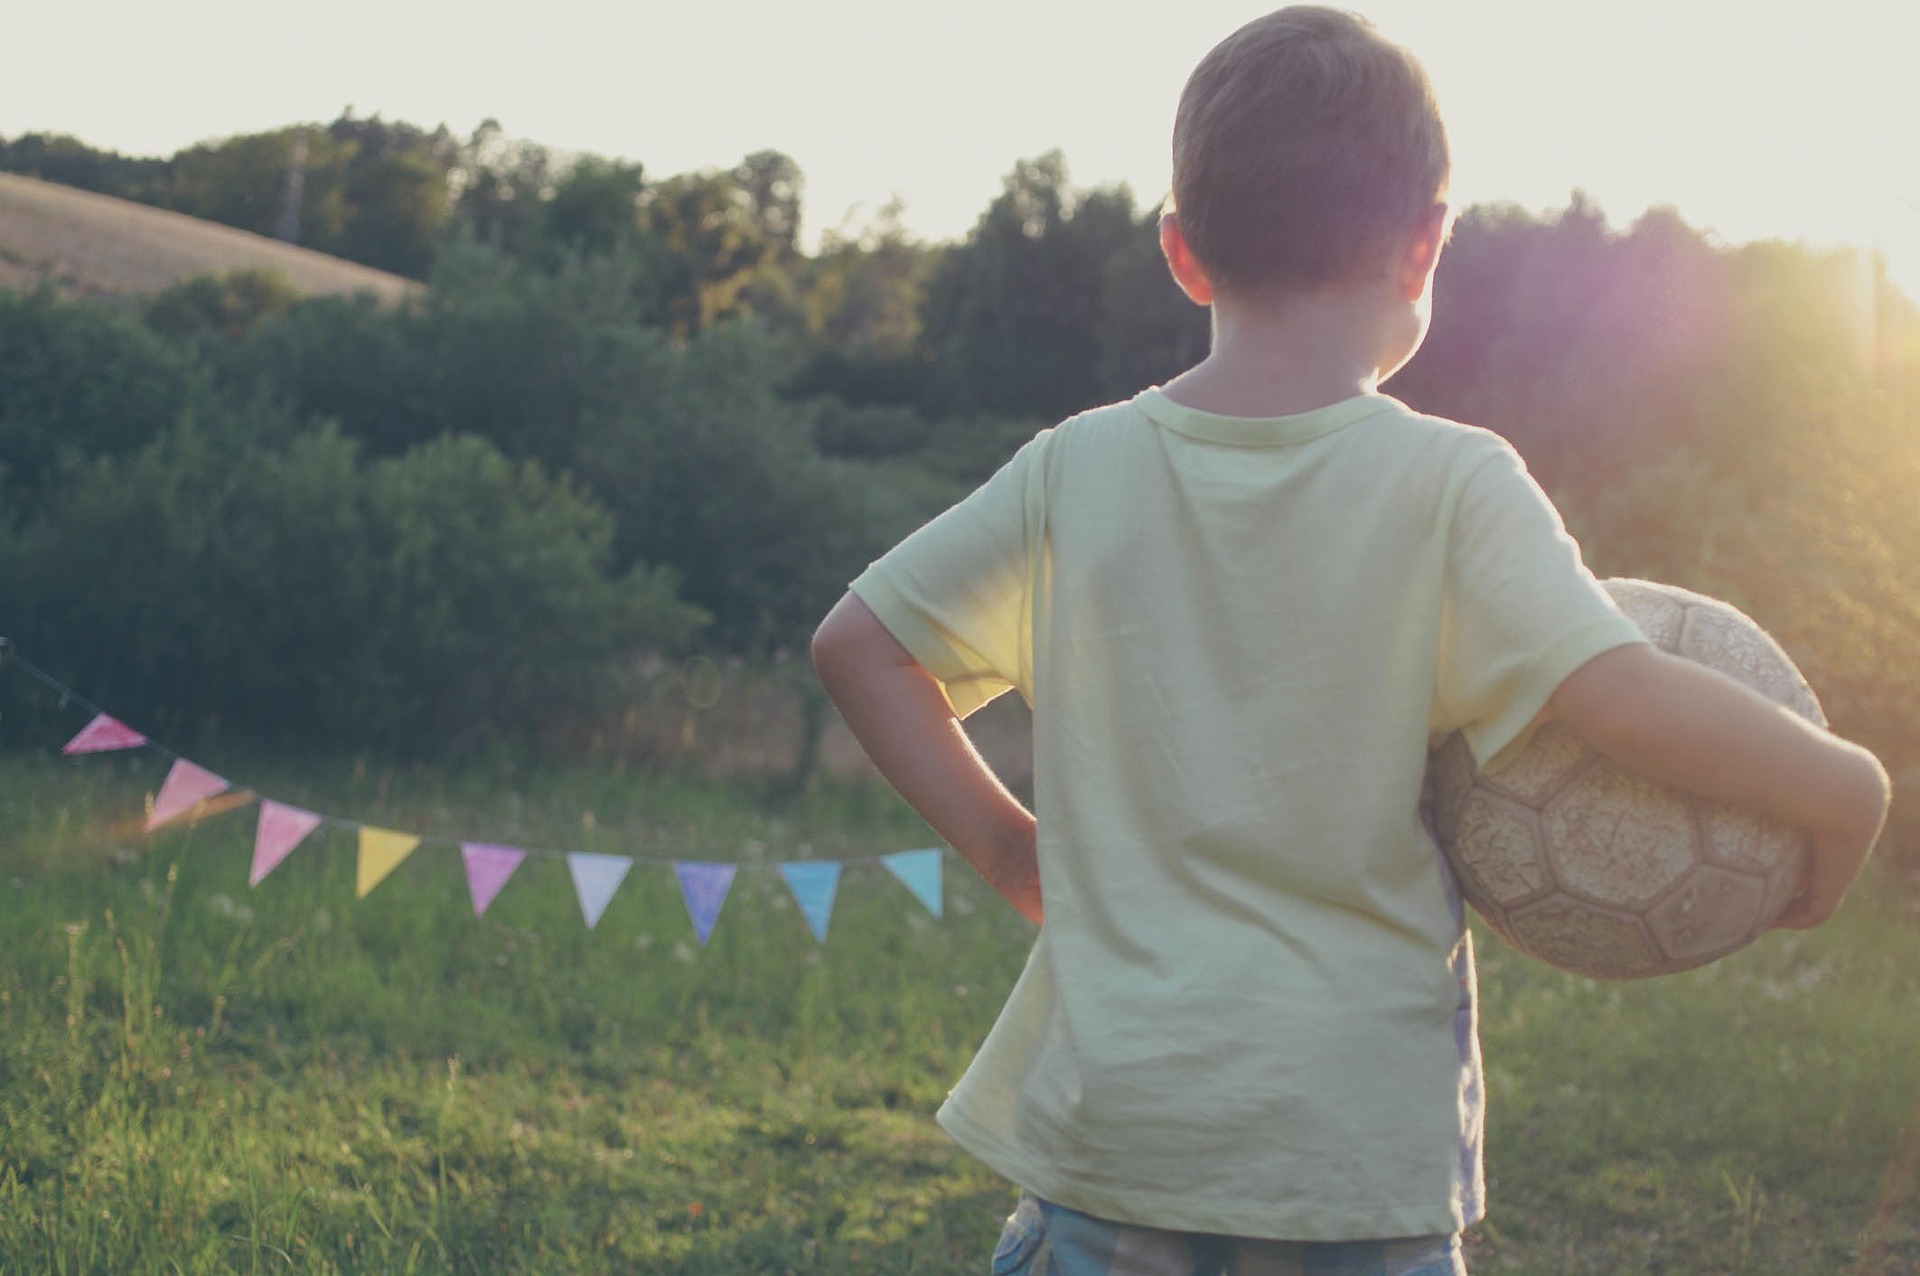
column 632, row 415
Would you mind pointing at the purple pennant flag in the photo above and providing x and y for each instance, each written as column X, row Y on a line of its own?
column 704, row 887
column 595, row 879
column 281, row 829
column 919, row 872
column 489, row 867
column 185, row 787
column 103, row 735
column 813, row 883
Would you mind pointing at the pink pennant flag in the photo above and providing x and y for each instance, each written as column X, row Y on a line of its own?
column 704, row 888
column 488, row 868
column 103, row 735
column 281, row 829
column 186, row 787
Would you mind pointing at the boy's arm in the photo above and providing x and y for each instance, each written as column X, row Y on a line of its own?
column 1689, row 726
column 897, row 711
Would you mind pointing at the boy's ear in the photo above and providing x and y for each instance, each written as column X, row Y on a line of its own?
column 1186, row 269
column 1422, row 254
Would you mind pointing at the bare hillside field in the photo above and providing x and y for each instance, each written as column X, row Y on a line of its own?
column 94, row 245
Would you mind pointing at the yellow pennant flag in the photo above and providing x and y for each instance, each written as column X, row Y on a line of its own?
column 381, row 851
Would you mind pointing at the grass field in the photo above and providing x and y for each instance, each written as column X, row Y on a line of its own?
column 94, row 245
column 199, row 1077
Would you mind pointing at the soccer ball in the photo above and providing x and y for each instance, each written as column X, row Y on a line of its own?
column 1592, row 869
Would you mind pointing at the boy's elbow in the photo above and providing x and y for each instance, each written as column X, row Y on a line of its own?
column 829, row 645
column 852, row 637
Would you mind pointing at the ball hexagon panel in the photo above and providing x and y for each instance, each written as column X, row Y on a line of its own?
column 1618, row 840
column 1717, row 639
column 1782, row 886
column 1713, row 912
column 1575, row 936
column 1747, row 842
column 1535, row 773
column 1500, row 861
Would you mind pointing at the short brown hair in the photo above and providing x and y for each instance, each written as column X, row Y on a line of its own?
column 1305, row 143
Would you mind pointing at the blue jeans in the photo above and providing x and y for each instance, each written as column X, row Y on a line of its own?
column 1044, row 1239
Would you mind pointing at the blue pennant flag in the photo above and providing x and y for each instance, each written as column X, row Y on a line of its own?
column 704, row 887
column 919, row 872
column 813, row 883
column 595, row 879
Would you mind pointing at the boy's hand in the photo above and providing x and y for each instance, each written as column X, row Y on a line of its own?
column 1831, row 870
column 1015, row 873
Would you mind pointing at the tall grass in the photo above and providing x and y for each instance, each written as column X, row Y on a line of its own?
column 199, row 1077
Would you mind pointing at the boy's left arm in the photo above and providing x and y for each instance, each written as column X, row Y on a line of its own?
column 898, row 712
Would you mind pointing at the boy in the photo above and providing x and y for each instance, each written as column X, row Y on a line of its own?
column 1239, row 606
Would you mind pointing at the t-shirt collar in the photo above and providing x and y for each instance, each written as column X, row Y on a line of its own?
column 1251, row 431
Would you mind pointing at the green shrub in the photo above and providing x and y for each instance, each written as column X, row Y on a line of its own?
column 705, row 466
column 222, row 305
column 78, row 381
column 428, row 601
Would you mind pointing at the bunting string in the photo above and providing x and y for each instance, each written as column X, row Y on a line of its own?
column 282, row 828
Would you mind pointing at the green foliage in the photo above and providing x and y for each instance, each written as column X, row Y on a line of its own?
column 498, row 349
column 1012, row 315
column 77, row 382
column 57, row 157
column 242, row 181
column 1149, row 331
column 428, row 600
column 719, row 476
column 716, row 240
column 863, row 293
column 595, row 208
column 398, row 211
column 221, row 306
column 502, row 185
column 1056, row 302
column 704, row 465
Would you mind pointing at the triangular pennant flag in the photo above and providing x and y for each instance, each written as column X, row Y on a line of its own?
column 488, row 868
column 595, row 879
column 813, row 883
column 919, row 872
column 704, row 888
column 381, row 851
column 281, row 829
column 185, row 787
column 103, row 735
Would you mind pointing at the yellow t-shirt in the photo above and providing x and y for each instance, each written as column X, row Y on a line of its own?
column 1250, row 1010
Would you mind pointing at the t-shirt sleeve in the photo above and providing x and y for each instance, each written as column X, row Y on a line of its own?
column 1520, row 611
column 955, row 593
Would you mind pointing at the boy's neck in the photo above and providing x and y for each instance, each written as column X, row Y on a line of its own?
column 1295, row 354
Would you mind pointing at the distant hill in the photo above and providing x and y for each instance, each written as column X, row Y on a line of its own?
column 94, row 245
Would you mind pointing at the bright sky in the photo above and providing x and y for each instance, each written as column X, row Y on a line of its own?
column 1798, row 127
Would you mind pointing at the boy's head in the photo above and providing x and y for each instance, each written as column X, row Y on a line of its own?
column 1305, row 150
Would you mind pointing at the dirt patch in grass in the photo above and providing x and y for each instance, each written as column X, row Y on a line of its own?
column 97, row 246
